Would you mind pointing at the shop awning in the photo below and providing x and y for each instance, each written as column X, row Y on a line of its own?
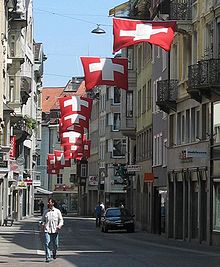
column 42, row 191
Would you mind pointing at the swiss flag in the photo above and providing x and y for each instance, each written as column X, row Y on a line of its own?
column 74, row 119
column 105, row 71
column 51, row 166
column 71, row 138
column 60, row 161
column 86, row 148
column 128, row 32
column 67, row 126
column 75, row 104
column 73, row 151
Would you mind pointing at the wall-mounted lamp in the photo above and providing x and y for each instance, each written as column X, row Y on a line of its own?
column 98, row 30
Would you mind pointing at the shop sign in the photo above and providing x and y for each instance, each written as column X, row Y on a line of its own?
column 134, row 168
column 93, row 180
column 12, row 152
column 4, row 164
column 28, row 181
column 148, row 177
column 196, row 153
column 64, row 187
column 21, row 184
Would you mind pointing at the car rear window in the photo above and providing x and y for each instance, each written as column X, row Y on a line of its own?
column 113, row 213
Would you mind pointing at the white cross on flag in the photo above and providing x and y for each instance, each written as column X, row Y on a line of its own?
column 60, row 160
column 75, row 104
column 105, row 71
column 68, row 126
column 128, row 32
column 51, row 166
column 71, row 138
column 74, row 119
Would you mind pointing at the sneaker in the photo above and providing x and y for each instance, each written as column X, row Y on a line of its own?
column 54, row 255
column 48, row 260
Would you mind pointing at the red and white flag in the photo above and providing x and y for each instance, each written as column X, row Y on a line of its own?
column 73, row 138
column 75, row 104
column 105, row 71
column 74, row 119
column 70, row 127
column 51, row 166
column 86, row 148
column 73, row 151
column 128, row 32
column 60, row 160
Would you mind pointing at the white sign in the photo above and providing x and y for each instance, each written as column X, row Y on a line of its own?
column 196, row 153
column 93, row 180
column 134, row 168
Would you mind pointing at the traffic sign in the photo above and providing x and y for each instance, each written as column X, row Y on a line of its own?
column 134, row 168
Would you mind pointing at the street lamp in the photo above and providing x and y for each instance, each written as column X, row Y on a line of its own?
column 98, row 30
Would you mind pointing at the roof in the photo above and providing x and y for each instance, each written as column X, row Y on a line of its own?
column 49, row 97
column 81, row 91
column 42, row 191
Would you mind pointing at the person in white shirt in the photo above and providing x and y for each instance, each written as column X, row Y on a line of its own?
column 52, row 222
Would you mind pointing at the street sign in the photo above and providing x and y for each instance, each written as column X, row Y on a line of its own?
column 20, row 160
column 134, row 168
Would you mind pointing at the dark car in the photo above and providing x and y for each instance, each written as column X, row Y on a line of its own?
column 117, row 219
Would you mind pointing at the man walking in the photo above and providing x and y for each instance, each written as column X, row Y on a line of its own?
column 98, row 214
column 52, row 222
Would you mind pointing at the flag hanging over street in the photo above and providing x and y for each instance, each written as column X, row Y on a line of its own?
column 75, row 104
column 105, row 71
column 51, row 166
column 68, row 126
column 128, row 32
column 71, row 138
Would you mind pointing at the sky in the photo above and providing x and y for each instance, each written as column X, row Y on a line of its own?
column 64, row 27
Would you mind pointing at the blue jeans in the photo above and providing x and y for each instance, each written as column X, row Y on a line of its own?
column 50, row 243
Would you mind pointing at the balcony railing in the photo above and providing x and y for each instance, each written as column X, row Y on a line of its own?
column 204, row 78
column 25, row 90
column 181, row 11
column 167, row 94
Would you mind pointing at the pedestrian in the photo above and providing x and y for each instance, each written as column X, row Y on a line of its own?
column 41, row 204
column 98, row 214
column 103, row 208
column 52, row 222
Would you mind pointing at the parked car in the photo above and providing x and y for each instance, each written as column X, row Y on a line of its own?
column 117, row 219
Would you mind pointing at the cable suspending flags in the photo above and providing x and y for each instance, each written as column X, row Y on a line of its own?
column 105, row 71
column 128, row 32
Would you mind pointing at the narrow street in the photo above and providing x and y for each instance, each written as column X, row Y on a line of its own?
column 82, row 245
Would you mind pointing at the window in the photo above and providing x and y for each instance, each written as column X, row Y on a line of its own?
column 117, row 96
column 179, row 128
column 164, row 60
column 198, row 123
column 216, row 208
column 119, row 147
column 139, row 58
column 171, row 130
column 164, row 152
column 193, row 123
column 116, row 122
column 129, row 104
column 139, row 103
column 144, row 99
column 59, row 178
column 130, row 56
column 182, row 128
column 187, row 126
column 149, row 95
column 83, row 172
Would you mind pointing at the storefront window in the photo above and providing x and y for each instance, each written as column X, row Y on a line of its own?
column 216, row 219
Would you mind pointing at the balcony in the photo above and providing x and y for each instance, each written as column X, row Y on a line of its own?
column 172, row 9
column 204, row 80
column 167, row 95
column 25, row 89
